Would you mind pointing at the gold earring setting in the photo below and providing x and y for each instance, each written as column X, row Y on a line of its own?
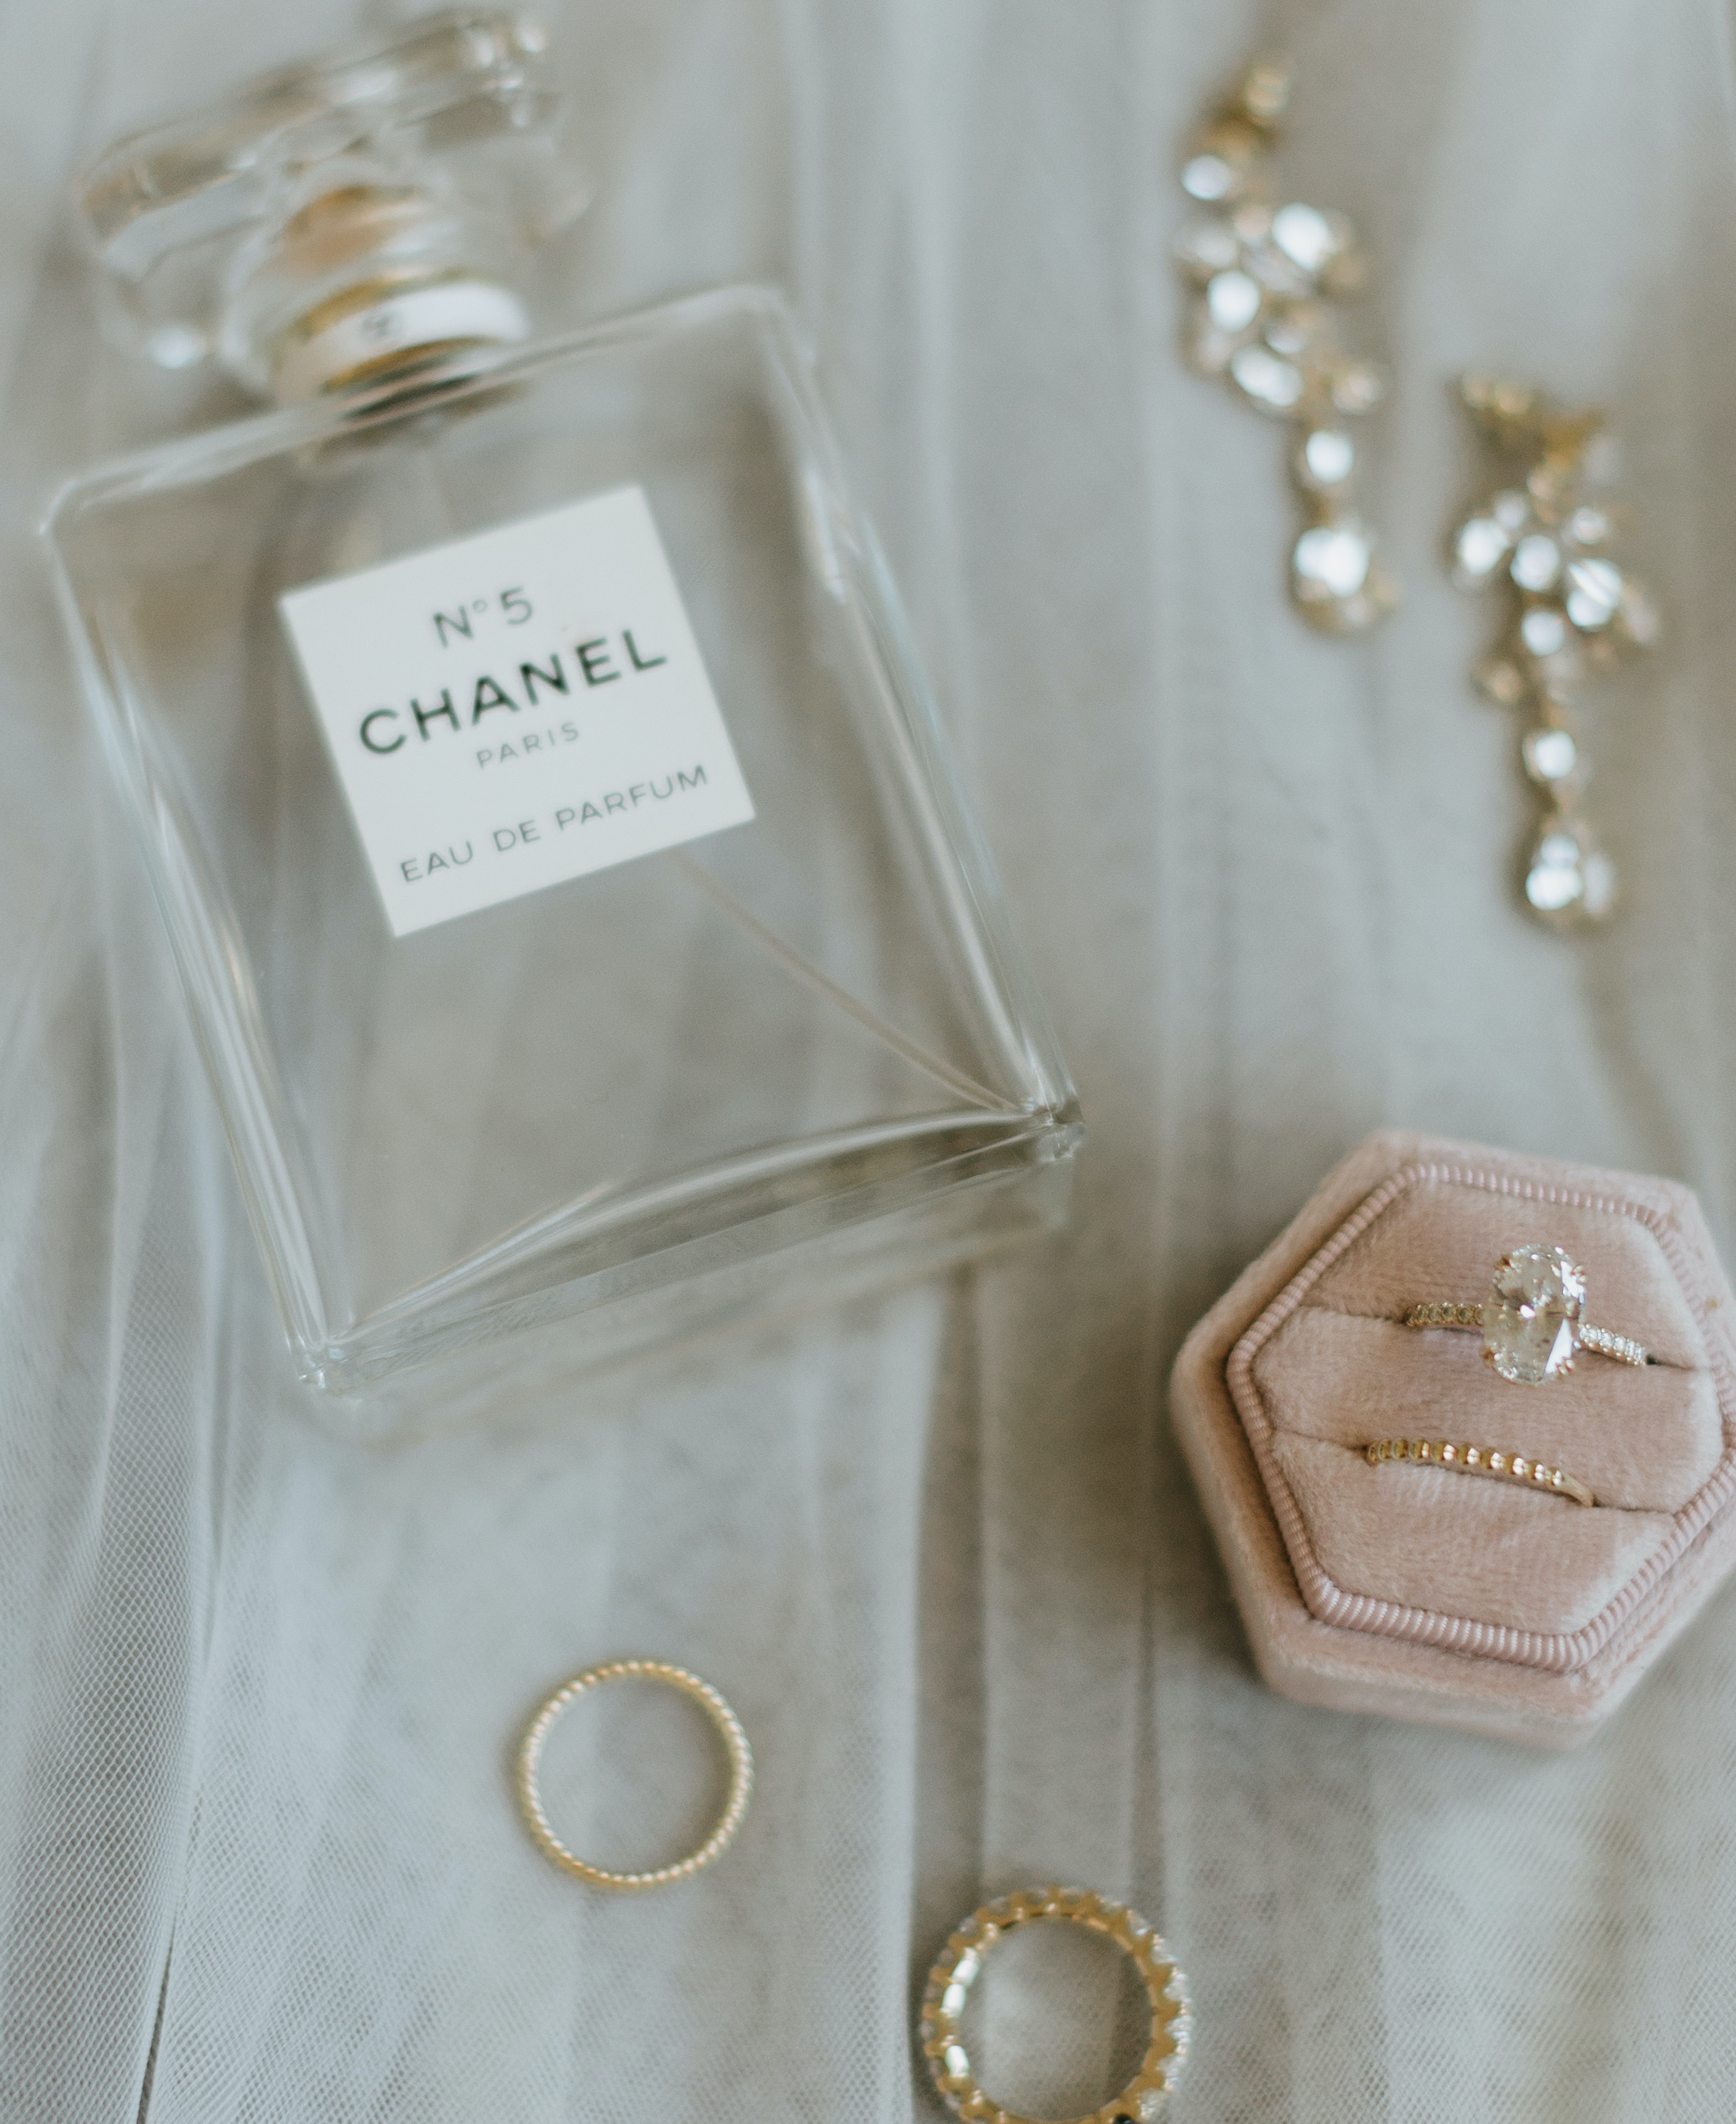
column 1572, row 613
column 1268, row 278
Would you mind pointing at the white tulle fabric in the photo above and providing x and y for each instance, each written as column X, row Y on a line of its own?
column 258, row 1862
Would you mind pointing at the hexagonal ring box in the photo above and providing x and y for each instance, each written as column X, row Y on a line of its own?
column 1395, row 1583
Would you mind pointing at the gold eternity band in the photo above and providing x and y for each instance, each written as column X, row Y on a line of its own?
column 736, row 1745
column 1533, row 1323
column 1479, row 1460
column 961, row 1961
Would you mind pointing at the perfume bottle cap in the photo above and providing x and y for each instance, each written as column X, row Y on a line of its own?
column 337, row 220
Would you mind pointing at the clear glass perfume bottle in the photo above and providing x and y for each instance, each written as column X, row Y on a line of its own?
column 582, row 926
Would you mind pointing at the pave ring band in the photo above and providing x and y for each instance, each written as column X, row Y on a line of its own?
column 1533, row 1324
column 960, row 1962
column 1479, row 1460
column 736, row 1745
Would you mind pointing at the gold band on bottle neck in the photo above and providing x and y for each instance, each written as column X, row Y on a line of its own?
column 389, row 323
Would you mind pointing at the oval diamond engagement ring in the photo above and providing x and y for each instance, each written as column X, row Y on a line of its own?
column 1533, row 1325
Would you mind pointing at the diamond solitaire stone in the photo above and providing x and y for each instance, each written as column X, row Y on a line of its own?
column 1528, row 1326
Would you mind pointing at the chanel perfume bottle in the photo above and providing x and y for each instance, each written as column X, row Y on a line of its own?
column 582, row 926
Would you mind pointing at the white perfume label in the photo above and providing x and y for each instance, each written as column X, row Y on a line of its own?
column 509, row 710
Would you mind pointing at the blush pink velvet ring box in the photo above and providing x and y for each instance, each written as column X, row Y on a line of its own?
column 1416, row 1590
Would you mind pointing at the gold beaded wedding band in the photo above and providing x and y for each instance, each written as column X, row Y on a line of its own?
column 1479, row 1460
column 1533, row 1325
column 734, row 1740
column 961, row 1961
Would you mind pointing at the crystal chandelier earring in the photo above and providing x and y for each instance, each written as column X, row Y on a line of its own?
column 1572, row 615
column 1269, row 280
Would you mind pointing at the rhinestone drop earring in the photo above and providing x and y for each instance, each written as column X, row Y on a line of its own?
column 1572, row 615
column 1268, row 278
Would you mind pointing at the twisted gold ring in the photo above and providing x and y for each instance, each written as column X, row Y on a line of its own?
column 734, row 1740
column 960, row 1962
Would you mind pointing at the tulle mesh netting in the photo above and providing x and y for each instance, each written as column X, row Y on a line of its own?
column 257, row 1858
